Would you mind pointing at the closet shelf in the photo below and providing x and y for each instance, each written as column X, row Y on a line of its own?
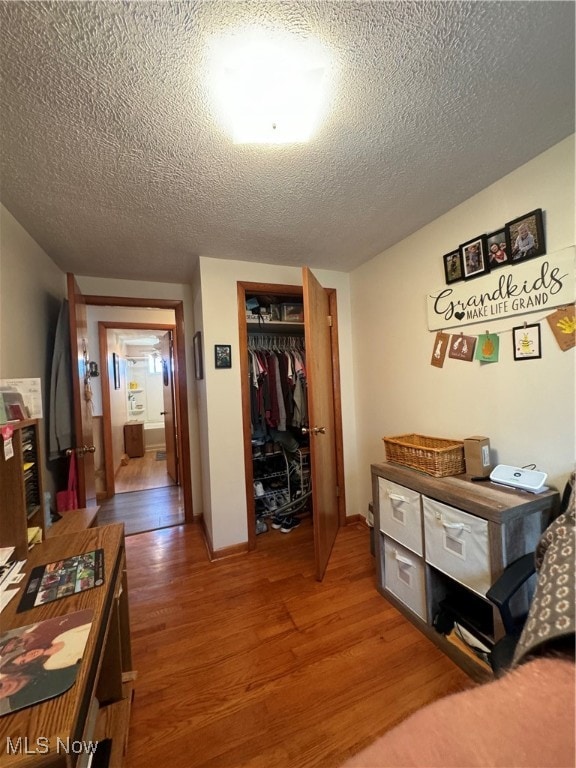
column 275, row 327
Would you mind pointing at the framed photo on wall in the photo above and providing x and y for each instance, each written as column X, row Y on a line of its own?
column 497, row 249
column 474, row 257
column 527, row 342
column 453, row 267
column 223, row 356
column 525, row 236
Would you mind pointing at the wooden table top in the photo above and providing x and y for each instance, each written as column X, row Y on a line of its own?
column 73, row 521
column 65, row 715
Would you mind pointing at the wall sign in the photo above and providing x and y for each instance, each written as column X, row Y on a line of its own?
column 534, row 285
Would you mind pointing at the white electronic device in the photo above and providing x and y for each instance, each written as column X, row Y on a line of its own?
column 516, row 477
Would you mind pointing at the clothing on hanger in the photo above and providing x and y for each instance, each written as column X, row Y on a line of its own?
column 277, row 373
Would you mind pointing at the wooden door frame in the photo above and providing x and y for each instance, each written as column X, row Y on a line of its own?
column 81, row 400
column 180, row 379
column 103, row 327
column 171, row 426
column 285, row 290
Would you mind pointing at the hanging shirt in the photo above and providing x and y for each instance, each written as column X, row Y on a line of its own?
column 280, row 395
column 272, row 413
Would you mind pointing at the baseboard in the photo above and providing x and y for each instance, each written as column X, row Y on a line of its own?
column 233, row 551
column 243, row 547
column 221, row 554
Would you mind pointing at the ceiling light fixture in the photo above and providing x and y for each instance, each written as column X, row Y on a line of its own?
column 270, row 91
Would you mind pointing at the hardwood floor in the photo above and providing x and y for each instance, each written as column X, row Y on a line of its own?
column 146, row 497
column 142, row 473
column 250, row 662
column 144, row 510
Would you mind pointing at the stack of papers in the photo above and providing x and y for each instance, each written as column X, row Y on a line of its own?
column 5, row 555
column 34, row 536
column 10, row 575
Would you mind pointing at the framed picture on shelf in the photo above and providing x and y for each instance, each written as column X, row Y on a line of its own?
column 497, row 249
column 525, row 237
column 453, row 267
column 474, row 255
column 223, row 356
column 198, row 363
column 526, row 340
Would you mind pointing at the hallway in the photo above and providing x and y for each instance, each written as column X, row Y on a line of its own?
column 143, row 473
column 144, row 510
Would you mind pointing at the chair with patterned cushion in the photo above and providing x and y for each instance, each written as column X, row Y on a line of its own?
column 504, row 589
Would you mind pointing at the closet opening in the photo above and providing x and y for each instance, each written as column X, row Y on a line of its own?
column 278, row 476
column 300, row 468
column 278, row 415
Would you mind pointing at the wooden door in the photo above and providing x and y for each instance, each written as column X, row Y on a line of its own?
column 81, row 390
column 320, row 380
column 167, row 353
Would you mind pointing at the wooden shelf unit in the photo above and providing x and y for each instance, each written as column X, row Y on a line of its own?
column 21, row 488
column 445, row 541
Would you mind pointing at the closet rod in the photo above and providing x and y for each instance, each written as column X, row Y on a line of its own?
column 265, row 341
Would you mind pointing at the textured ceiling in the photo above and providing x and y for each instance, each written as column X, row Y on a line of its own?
column 114, row 160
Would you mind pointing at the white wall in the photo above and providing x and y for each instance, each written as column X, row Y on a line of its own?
column 31, row 291
column 225, row 509
column 525, row 407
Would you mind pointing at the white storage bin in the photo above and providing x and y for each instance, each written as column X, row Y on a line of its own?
column 404, row 576
column 457, row 544
column 400, row 514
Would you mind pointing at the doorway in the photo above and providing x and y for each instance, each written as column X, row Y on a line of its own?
column 156, row 490
column 138, row 397
column 320, row 326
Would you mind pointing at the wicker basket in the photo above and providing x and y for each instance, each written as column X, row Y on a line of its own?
column 433, row 455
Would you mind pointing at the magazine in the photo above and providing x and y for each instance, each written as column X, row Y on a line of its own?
column 63, row 578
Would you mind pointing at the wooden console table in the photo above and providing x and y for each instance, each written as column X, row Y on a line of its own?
column 97, row 706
